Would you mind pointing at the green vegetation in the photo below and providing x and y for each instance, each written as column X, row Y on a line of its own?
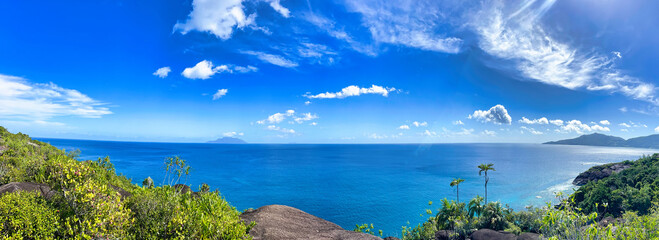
column 631, row 196
column 633, row 189
column 90, row 200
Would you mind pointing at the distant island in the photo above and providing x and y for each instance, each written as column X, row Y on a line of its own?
column 228, row 140
column 597, row 139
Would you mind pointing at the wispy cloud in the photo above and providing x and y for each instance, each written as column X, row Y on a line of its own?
column 232, row 134
column 531, row 130
column 272, row 59
column 220, row 93
column 354, row 90
column 21, row 99
column 280, row 129
column 497, row 115
column 519, row 37
column 408, row 23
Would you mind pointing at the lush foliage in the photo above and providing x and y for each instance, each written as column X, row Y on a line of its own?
column 633, row 189
column 27, row 215
column 88, row 201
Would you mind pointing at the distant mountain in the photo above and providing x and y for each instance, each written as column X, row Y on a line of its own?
column 597, row 139
column 228, row 140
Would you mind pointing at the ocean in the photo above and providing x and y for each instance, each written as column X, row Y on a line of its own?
column 388, row 185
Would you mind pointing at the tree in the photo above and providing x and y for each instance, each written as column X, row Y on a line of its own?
column 485, row 168
column 456, row 183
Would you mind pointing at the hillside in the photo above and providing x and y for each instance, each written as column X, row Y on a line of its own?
column 597, row 139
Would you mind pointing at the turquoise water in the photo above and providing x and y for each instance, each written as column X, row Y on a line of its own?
column 387, row 185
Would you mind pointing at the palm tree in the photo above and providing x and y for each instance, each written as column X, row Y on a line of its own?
column 475, row 206
column 485, row 168
column 456, row 183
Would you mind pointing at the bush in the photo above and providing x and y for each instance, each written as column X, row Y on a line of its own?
column 27, row 215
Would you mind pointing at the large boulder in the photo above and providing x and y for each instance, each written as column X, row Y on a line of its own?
column 599, row 172
column 489, row 234
column 445, row 235
column 275, row 222
column 42, row 189
column 528, row 236
column 122, row 192
column 182, row 188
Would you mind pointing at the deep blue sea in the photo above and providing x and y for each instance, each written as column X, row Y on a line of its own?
column 387, row 185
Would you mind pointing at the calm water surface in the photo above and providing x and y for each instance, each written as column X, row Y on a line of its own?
column 387, row 185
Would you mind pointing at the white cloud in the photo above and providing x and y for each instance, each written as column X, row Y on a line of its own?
column 520, row 38
column 20, row 99
column 408, row 23
column 216, row 17
column 205, row 69
column 598, row 128
column 307, row 102
column 497, row 114
column 458, row 122
column 625, row 130
column 353, row 90
column 542, row 120
column 429, row 133
column 376, row 136
column 305, row 117
column 556, row 122
column 617, row 54
column 232, row 134
column 220, row 93
column 625, row 125
column 162, row 72
column 272, row 59
column 623, row 109
column 656, row 129
column 489, row 133
column 313, row 123
column 420, row 124
column 280, row 129
column 576, row 126
column 339, row 33
column 276, row 5
column 405, row 127
column 605, row 122
column 531, row 130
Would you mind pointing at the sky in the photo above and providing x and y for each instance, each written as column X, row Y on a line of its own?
column 336, row 71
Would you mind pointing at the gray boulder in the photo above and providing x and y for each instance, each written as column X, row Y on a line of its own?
column 528, row 236
column 489, row 234
column 599, row 172
column 122, row 192
column 42, row 189
column 275, row 222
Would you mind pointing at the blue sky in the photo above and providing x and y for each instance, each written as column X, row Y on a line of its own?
column 345, row 71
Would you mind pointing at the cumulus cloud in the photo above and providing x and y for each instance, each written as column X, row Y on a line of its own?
column 289, row 114
column 625, row 125
column 407, row 23
column 216, row 17
column 21, row 99
column 220, row 93
column 458, row 122
column 232, row 134
column 542, row 120
column 579, row 127
column 307, row 102
column 429, row 133
column 404, row 127
column 598, row 128
column 205, row 69
column 605, row 122
column 497, row 115
column 162, row 72
column 520, row 38
column 556, row 122
column 272, row 59
column 354, row 90
column 656, row 129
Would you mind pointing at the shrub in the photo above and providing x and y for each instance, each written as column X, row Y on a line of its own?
column 27, row 215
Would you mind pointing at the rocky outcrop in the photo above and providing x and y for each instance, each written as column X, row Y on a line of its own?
column 528, row 236
column 42, row 189
column 489, row 234
column 182, row 188
column 275, row 222
column 122, row 192
column 599, row 172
